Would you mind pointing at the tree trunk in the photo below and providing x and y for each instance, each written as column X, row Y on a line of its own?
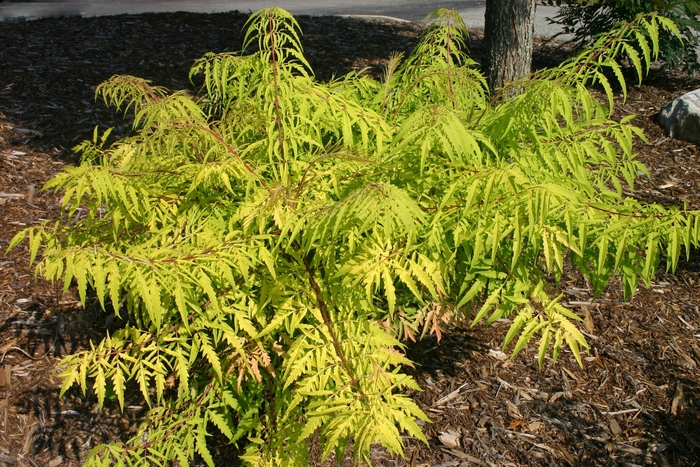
column 508, row 38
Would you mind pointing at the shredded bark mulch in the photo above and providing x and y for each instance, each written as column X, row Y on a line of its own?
column 635, row 402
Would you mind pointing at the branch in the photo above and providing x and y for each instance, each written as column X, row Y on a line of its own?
column 228, row 147
column 327, row 322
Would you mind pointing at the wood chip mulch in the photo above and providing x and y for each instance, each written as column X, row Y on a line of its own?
column 636, row 401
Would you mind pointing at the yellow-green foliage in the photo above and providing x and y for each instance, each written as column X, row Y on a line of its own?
column 271, row 242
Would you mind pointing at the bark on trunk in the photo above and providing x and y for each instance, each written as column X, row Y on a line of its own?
column 508, row 36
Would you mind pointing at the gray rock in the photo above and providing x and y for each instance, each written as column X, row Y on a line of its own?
column 681, row 117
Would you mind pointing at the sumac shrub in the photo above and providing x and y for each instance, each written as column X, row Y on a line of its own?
column 271, row 242
column 586, row 19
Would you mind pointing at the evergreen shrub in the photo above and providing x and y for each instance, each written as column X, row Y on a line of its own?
column 272, row 243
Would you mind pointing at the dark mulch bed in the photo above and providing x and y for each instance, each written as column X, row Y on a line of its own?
column 636, row 401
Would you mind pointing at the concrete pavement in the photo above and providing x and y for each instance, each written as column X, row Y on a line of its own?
column 472, row 11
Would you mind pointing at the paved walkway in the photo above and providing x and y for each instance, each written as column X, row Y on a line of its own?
column 472, row 11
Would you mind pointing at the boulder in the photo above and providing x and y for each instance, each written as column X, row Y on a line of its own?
column 681, row 117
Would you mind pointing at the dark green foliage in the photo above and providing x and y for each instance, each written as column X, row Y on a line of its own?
column 274, row 240
column 586, row 19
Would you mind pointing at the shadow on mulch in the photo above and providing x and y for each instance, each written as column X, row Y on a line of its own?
column 52, row 66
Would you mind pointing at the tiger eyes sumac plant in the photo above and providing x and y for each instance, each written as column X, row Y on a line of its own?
column 584, row 19
column 272, row 242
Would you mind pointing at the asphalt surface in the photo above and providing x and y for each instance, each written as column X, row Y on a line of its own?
column 472, row 11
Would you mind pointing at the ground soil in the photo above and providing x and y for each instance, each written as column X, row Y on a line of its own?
column 636, row 401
